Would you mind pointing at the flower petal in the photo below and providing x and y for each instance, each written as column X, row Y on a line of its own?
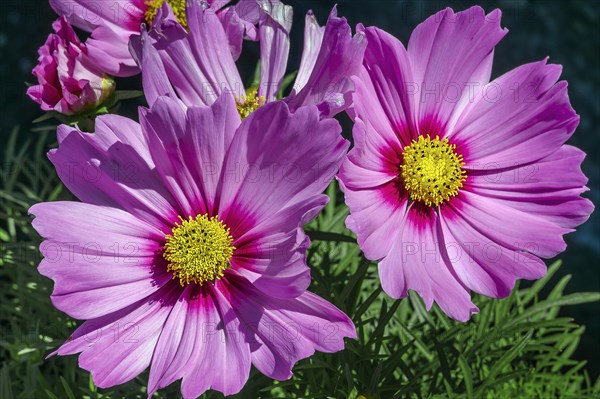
column 198, row 64
column 182, row 70
column 174, row 346
column 376, row 215
column 528, row 117
column 89, row 14
column 483, row 265
column 109, row 48
column 113, row 167
column 293, row 159
column 101, row 265
column 155, row 80
column 272, row 254
column 188, row 147
column 281, row 332
column 120, row 355
column 208, row 41
column 330, row 85
column 274, row 32
column 450, row 54
column 375, row 159
column 164, row 125
column 235, row 28
column 221, row 356
column 313, row 38
column 535, row 189
column 535, row 235
column 384, row 89
column 211, row 131
column 418, row 262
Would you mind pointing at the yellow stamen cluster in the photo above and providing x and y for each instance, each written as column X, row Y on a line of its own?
column 432, row 171
column 198, row 250
column 250, row 103
column 178, row 7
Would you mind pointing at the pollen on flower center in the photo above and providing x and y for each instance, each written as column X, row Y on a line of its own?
column 178, row 7
column 198, row 250
column 432, row 171
column 250, row 103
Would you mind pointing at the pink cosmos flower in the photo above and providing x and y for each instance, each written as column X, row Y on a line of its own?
column 457, row 183
column 68, row 80
column 113, row 22
column 194, row 68
column 187, row 253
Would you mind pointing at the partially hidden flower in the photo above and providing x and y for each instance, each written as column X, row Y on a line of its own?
column 456, row 183
column 193, row 66
column 113, row 22
column 69, row 82
column 187, row 252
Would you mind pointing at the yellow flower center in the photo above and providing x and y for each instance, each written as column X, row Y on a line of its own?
column 250, row 103
column 178, row 7
column 198, row 250
column 432, row 170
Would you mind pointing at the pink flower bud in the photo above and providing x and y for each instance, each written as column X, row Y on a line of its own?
column 69, row 81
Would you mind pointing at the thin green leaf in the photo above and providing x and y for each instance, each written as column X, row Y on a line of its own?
column 68, row 390
column 332, row 237
column 467, row 375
